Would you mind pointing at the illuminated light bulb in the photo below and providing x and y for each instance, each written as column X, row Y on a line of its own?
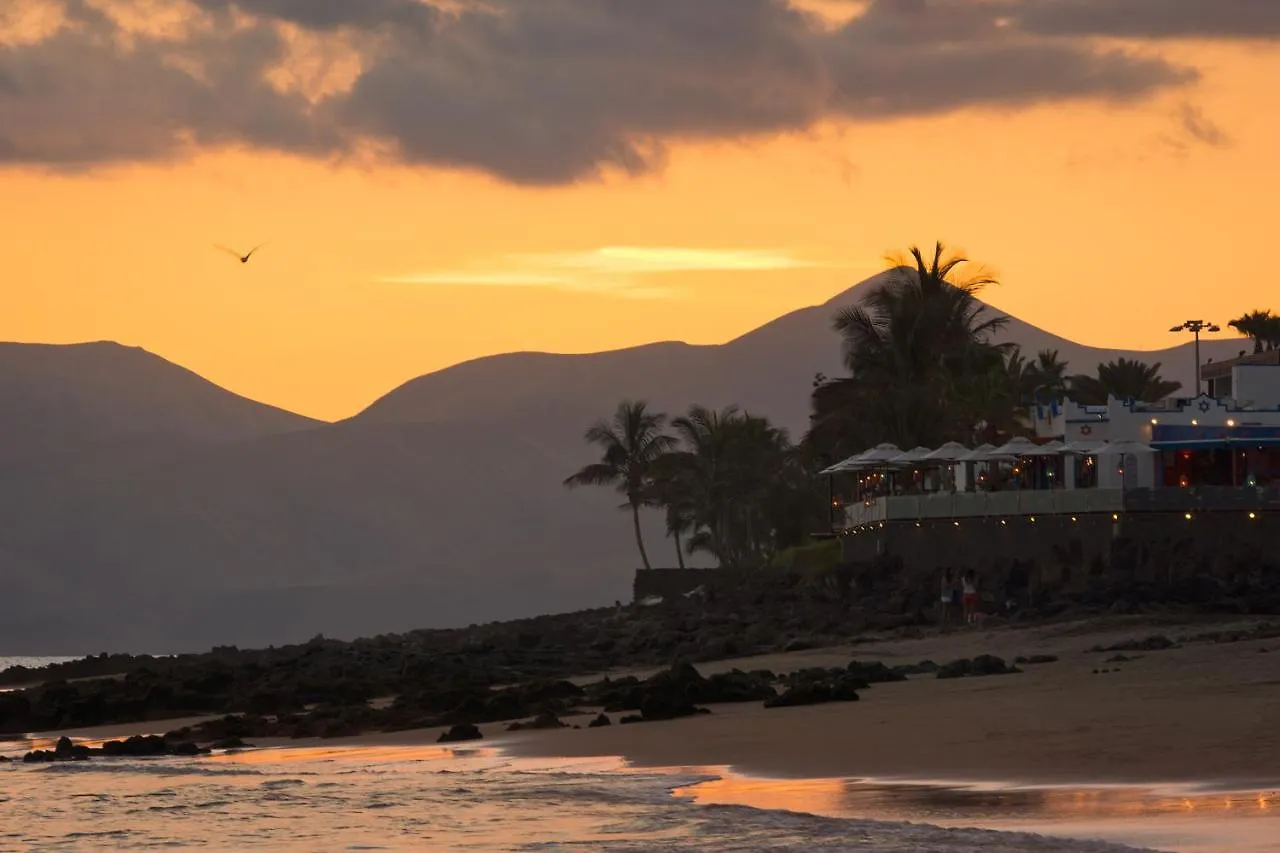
column 1253, row 515
column 1230, row 422
column 1155, row 421
column 1188, row 516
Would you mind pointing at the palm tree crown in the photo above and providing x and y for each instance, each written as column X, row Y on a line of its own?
column 911, row 346
column 1123, row 379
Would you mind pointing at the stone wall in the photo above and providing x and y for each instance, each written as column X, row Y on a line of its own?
column 1019, row 558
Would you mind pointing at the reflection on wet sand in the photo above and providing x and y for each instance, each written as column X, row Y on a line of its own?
column 1176, row 818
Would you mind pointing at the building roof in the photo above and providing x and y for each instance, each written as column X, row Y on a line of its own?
column 1221, row 369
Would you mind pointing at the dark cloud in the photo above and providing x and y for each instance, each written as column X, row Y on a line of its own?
column 418, row 17
column 81, row 98
column 914, row 57
column 551, row 91
column 542, row 91
column 1235, row 19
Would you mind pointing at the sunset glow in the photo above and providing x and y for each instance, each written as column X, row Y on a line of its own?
column 1143, row 175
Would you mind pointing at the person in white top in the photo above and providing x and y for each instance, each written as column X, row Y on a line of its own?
column 950, row 597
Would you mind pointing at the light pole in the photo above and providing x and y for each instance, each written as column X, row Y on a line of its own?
column 1196, row 327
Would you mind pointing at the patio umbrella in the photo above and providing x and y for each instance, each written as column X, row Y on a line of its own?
column 1018, row 447
column 879, row 455
column 1081, row 446
column 850, row 464
column 981, row 453
column 1050, row 448
column 916, row 454
column 952, row 451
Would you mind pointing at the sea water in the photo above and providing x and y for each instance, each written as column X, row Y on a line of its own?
column 425, row 798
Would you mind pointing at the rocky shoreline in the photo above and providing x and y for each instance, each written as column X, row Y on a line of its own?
column 514, row 671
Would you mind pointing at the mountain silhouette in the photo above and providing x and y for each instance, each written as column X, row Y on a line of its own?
column 769, row 371
column 144, row 509
column 63, row 397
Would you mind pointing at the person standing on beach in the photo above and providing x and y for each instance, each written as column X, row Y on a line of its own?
column 949, row 595
column 970, row 598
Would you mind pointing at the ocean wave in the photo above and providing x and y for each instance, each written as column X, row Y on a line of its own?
column 490, row 805
column 143, row 767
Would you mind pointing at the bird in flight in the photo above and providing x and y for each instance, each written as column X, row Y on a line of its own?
column 244, row 259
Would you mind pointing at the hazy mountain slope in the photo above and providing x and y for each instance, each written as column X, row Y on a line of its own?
column 768, row 370
column 69, row 396
column 354, row 529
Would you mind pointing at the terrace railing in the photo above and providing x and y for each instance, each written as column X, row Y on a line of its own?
column 1058, row 502
column 984, row 504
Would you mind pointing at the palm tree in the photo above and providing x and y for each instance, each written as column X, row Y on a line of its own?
column 1271, row 332
column 1047, row 376
column 991, row 396
column 1258, row 326
column 906, row 347
column 739, row 473
column 671, row 491
column 632, row 442
column 1124, row 379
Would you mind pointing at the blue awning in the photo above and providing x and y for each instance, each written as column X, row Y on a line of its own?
column 1215, row 443
column 1210, row 437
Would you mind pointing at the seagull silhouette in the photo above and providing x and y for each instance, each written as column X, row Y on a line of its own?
column 244, row 259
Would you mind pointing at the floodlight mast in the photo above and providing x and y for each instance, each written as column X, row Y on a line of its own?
column 1196, row 327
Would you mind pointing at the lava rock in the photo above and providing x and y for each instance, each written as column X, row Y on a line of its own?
column 460, row 732
column 230, row 743
column 843, row 689
column 874, row 672
column 1036, row 659
column 545, row 720
column 925, row 667
column 979, row 666
column 1154, row 643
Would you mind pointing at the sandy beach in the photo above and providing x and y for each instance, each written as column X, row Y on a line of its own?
column 1204, row 712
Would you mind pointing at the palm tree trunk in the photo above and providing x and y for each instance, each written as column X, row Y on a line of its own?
column 635, row 517
column 675, row 534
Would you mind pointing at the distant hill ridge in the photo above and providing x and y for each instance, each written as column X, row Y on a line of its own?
column 74, row 394
column 767, row 370
column 143, row 508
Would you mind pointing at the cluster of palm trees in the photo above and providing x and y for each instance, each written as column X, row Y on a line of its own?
column 1262, row 327
column 924, row 367
column 730, row 484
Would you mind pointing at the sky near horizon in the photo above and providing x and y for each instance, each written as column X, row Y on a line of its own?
column 440, row 182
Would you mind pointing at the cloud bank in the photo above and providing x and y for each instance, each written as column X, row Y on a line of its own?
column 547, row 92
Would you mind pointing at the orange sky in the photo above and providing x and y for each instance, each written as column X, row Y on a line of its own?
column 1105, row 223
